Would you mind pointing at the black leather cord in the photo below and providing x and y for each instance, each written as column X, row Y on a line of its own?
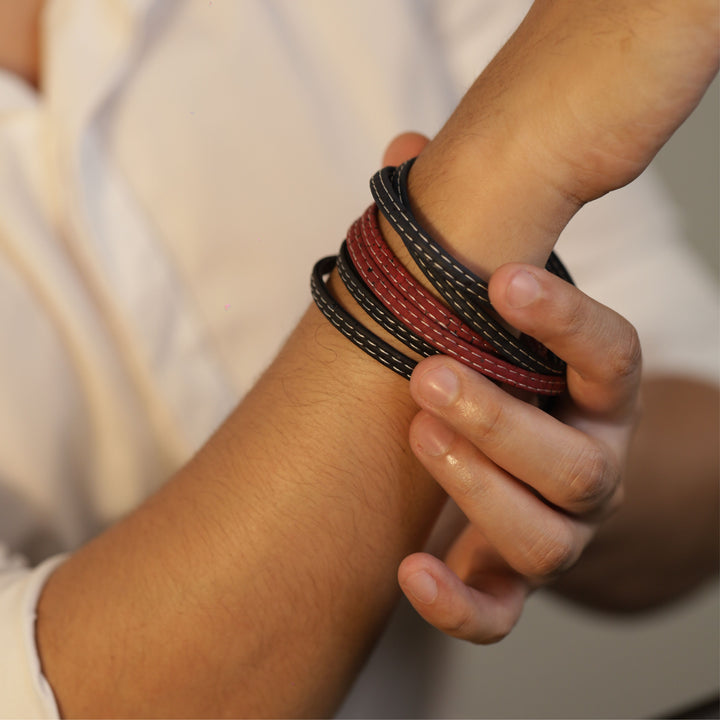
column 461, row 289
column 365, row 297
column 353, row 330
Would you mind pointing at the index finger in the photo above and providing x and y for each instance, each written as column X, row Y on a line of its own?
column 600, row 347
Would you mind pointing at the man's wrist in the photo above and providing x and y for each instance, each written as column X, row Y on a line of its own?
column 488, row 203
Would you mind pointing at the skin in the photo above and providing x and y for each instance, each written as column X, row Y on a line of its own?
column 274, row 551
column 20, row 38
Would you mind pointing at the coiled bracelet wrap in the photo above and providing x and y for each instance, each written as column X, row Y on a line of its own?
column 463, row 328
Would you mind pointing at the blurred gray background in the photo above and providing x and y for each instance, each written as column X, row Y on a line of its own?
column 689, row 165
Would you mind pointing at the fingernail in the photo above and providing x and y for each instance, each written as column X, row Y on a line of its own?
column 434, row 438
column 439, row 386
column 522, row 290
column 422, row 587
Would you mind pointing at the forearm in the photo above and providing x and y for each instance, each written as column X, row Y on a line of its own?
column 663, row 541
column 254, row 581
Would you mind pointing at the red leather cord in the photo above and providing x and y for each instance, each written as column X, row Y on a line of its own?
column 420, row 311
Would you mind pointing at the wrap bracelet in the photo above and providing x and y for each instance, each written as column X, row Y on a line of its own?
column 368, row 248
column 351, row 328
column 460, row 288
column 464, row 328
column 417, row 311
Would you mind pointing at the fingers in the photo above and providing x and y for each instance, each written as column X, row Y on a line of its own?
column 404, row 147
column 482, row 426
column 533, row 537
column 482, row 614
column 600, row 347
column 532, row 486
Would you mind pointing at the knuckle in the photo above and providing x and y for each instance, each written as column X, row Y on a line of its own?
column 552, row 552
column 625, row 354
column 459, row 624
column 574, row 315
column 591, row 478
column 487, row 420
column 461, row 478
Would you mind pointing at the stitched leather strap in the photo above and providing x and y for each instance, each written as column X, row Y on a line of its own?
column 460, row 288
column 368, row 246
column 371, row 304
column 465, row 329
column 407, row 309
column 353, row 330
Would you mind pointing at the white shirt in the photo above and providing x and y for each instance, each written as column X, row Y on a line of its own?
column 162, row 201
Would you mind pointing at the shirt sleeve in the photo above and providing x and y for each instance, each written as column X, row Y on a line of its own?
column 24, row 691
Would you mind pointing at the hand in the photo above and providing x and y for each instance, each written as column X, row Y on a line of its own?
column 534, row 487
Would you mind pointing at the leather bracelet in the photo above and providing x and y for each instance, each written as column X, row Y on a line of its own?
column 466, row 329
column 353, row 330
column 460, row 288
column 368, row 300
column 406, row 303
column 367, row 242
